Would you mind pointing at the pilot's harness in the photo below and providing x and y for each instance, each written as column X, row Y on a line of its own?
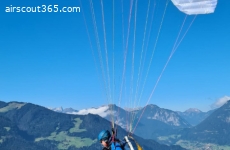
column 126, row 138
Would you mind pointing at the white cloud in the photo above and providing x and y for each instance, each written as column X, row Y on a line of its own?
column 221, row 101
column 102, row 111
column 73, row 113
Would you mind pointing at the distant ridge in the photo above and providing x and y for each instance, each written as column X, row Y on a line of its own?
column 214, row 129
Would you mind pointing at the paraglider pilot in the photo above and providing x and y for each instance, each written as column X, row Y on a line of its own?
column 110, row 142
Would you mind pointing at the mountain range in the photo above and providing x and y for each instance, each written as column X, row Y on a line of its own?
column 192, row 116
column 161, row 121
column 209, row 130
column 30, row 126
column 27, row 126
column 214, row 129
column 213, row 133
column 195, row 116
column 65, row 110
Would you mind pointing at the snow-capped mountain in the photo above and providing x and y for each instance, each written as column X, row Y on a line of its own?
column 70, row 111
column 102, row 111
column 57, row 109
column 109, row 112
column 65, row 110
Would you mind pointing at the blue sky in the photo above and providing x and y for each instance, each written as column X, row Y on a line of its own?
column 46, row 58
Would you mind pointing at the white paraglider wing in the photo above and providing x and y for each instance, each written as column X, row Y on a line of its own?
column 194, row 7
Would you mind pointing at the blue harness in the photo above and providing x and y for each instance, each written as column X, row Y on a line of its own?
column 116, row 146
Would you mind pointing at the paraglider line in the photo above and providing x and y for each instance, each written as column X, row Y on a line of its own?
column 146, row 52
column 99, row 52
column 106, row 51
column 173, row 51
column 125, row 56
column 155, row 45
column 186, row 32
column 133, row 58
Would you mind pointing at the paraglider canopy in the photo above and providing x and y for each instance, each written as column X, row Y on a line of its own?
column 195, row 7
